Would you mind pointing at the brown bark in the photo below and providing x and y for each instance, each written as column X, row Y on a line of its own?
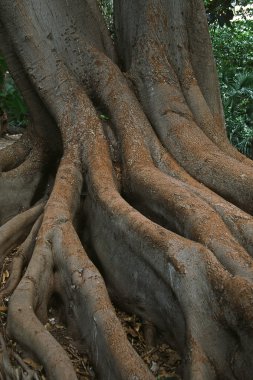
column 167, row 199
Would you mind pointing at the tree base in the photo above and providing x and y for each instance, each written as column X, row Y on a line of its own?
column 149, row 207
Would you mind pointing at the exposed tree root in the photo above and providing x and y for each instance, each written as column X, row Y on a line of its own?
column 18, row 186
column 147, row 290
column 21, row 258
column 165, row 191
column 82, row 290
column 16, row 230
column 187, row 215
column 169, row 248
column 13, row 156
column 20, row 371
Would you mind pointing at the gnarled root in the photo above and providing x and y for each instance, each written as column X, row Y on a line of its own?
column 17, row 371
column 180, row 256
column 21, row 259
column 15, row 230
column 59, row 264
column 163, row 269
column 18, row 187
column 12, row 156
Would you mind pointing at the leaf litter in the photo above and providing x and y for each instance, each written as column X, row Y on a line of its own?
column 161, row 359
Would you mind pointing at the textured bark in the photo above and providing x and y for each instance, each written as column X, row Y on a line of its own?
column 151, row 209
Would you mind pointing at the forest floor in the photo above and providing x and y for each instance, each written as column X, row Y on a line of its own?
column 161, row 359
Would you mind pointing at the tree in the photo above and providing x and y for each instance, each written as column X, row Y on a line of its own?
column 151, row 194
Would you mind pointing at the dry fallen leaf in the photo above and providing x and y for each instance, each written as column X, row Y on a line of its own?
column 132, row 332
column 6, row 275
column 33, row 364
column 59, row 326
column 154, row 367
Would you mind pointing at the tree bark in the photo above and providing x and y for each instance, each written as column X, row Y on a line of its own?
column 168, row 201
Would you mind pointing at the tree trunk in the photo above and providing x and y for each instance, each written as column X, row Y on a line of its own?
column 165, row 199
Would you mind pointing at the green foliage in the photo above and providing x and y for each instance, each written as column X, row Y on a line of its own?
column 238, row 107
column 234, row 56
column 11, row 101
column 106, row 7
column 233, row 47
column 104, row 117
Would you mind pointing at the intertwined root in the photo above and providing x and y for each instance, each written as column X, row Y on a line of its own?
column 166, row 270
column 196, row 291
column 203, row 288
column 169, row 249
column 60, row 264
column 9, row 370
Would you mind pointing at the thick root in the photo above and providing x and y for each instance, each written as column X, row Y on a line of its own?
column 16, row 230
column 59, row 263
column 9, row 371
column 197, row 292
column 13, row 156
column 21, row 259
column 186, row 214
column 167, row 272
column 109, row 348
column 18, row 187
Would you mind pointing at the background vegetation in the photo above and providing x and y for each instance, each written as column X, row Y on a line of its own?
column 11, row 102
column 232, row 39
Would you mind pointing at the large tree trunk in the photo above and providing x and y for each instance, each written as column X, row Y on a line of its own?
column 165, row 198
